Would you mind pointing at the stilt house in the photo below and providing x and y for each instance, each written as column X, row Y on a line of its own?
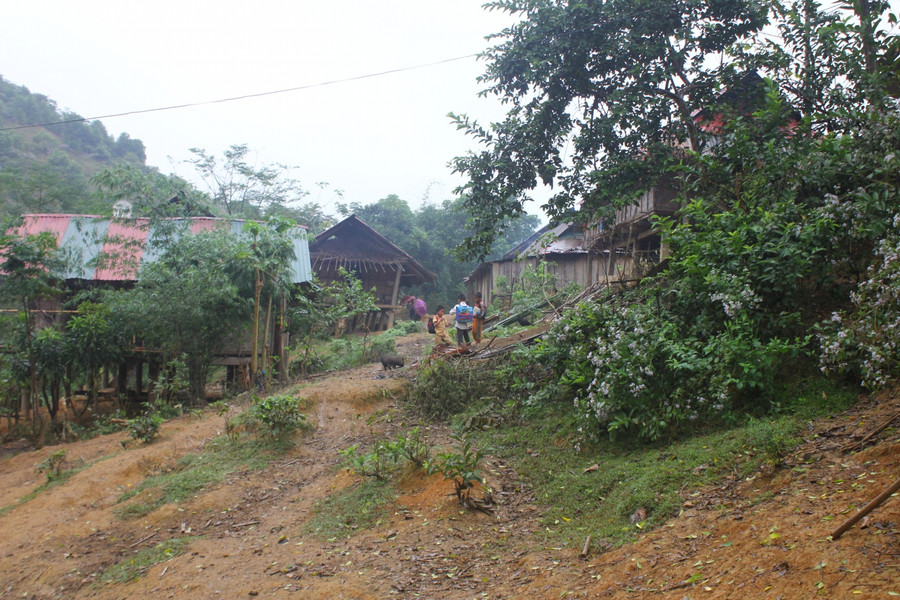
column 378, row 263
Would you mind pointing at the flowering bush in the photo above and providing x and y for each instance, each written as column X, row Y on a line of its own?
column 863, row 341
column 641, row 371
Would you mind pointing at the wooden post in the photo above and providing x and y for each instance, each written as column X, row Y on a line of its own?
column 122, row 380
column 395, row 295
column 138, row 379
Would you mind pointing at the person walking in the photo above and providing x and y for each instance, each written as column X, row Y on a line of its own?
column 462, row 314
column 480, row 310
column 441, row 337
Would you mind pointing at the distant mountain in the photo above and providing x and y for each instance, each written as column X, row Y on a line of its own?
column 48, row 168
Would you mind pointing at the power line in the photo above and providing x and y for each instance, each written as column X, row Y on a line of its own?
column 244, row 97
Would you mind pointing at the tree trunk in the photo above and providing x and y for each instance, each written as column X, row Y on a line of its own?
column 254, row 344
column 265, row 342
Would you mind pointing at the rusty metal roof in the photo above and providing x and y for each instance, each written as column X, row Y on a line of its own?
column 102, row 249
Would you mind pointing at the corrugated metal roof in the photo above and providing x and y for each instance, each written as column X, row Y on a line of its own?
column 567, row 238
column 127, row 245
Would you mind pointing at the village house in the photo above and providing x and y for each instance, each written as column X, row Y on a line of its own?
column 379, row 264
column 110, row 252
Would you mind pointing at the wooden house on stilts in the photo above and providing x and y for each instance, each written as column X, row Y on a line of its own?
column 379, row 264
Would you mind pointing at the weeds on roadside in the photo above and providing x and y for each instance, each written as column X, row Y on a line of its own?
column 274, row 417
column 193, row 472
column 462, row 466
column 136, row 566
column 144, row 427
column 53, row 466
column 386, row 455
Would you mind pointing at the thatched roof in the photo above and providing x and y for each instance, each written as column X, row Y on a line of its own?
column 357, row 247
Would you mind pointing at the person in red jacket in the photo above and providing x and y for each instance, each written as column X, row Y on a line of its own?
column 480, row 309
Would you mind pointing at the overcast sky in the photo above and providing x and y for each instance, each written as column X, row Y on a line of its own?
column 368, row 137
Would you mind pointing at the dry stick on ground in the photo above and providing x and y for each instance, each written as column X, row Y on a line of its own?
column 587, row 547
column 877, row 430
column 865, row 510
column 144, row 539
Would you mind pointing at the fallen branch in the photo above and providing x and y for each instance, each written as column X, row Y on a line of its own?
column 876, row 431
column 247, row 524
column 865, row 510
column 142, row 540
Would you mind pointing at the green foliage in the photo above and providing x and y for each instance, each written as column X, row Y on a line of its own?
column 357, row 507
column 202, row 302
column 136, row 566
column 862, row 341
column 53, row 466
column 191, row 473
column 144, row 427
column 444, row 388
column 314, row 315
column 279, row 416
column 240, row 189
column 462, row 465
column 597, row 130
column 47, row 170
column 402, row 328
column 386, row 455
column 377, row 463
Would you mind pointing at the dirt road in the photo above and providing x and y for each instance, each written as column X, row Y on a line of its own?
column 247, row 537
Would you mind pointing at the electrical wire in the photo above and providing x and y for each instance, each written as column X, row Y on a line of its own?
column 244, row 97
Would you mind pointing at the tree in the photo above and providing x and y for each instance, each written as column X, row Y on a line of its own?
column 241, row 189
column 599, row 94
column 93, row 343
column 316, row 310
column 269, row 254
column 27, row 275
column 186, row 303
column 149, row 192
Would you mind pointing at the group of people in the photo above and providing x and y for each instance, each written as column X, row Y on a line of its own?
column 464, row 318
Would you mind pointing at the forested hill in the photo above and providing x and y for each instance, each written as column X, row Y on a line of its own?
column 49, row 168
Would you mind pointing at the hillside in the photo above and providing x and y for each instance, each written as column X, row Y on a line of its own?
column 254, row 533
column 48, row 168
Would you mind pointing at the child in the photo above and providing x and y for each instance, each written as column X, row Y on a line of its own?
column 463, row 314
column 440, row 328
column 480, row 309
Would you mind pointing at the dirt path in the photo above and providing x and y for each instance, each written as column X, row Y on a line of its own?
column 763, row 537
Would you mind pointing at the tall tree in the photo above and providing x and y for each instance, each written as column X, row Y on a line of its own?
column 150, row 192
column 241, row 189
column 599, row 92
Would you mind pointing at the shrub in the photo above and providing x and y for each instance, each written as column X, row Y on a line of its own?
column 144, row 427
column 461, row 466
column 276, row 417
column 53, row 465
column 862, row 341
column 444, row 387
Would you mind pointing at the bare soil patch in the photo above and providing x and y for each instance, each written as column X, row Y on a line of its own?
column 758, row 537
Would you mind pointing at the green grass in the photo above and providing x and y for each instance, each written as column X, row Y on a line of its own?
column 361, row 506
column 194, row 472
column 136, row 566
column 59, row 479
column 655, row 477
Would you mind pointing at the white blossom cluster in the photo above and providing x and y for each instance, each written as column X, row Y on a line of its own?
column 735, row 295
column 866, row 341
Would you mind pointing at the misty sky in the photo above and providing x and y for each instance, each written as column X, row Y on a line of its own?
column 369, row 137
